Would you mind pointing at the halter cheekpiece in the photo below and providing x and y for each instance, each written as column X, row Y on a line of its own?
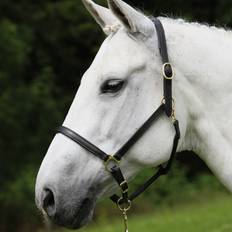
column 112, row 162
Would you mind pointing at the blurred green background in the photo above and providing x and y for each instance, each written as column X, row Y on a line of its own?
column 45, row 47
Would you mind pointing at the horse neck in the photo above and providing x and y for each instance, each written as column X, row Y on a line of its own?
column 202, row 57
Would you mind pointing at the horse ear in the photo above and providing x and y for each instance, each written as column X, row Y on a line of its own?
column 132, row 19
column 104, row 17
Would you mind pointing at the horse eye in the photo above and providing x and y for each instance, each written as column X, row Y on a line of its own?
column 112, row 86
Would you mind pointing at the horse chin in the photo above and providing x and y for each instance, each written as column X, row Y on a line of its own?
column 79, row 218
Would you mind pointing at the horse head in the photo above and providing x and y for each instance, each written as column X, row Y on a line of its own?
column 119, row 91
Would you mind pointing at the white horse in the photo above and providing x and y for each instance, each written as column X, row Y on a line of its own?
column 122, row 87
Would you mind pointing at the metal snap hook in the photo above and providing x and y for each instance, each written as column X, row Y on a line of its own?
column 124, row 207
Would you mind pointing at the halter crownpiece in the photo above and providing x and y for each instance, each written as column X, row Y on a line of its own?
column 112, row 162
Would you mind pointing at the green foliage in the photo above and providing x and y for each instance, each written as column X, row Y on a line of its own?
column 17, row 201
column 14, row 47
column 45, row 47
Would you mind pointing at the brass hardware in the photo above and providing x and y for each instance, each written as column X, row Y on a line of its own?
column 121, row 185
column 124, row 182
column 111, row 159
column 124, row 206
column 124, row 191
column 163, row 101
column 173, row 102
column 164, row 74
column 124, row 210
column 173, row 115
column 125, row 218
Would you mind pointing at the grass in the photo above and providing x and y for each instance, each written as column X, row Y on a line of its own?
column 213, row 215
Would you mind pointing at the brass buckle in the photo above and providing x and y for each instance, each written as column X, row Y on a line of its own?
column 111, row 159
column 124, row 183
column 164, row 73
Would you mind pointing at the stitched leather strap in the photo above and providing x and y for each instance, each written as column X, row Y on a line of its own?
column 82, row 142
column 122, row 151
column 115, row 170
column 161, row 171
column 139, row 133
column 161, row 40
column 167, row 83
column 122, row 183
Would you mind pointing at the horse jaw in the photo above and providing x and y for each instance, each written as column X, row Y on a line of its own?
column 72, row 174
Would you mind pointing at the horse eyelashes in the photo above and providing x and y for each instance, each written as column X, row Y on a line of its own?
column 112, row 86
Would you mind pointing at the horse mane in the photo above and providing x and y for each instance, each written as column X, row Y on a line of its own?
column 224, row 30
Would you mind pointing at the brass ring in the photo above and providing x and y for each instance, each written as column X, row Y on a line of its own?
column 110, row 159
column 126, row 205
column 164, row 74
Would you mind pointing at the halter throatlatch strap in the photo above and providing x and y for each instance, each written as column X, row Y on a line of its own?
column 167, row 69
column 112, row 162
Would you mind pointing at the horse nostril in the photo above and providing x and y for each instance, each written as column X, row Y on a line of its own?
column 48, row 202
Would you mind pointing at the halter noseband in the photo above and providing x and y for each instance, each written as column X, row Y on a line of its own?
column 112, row 162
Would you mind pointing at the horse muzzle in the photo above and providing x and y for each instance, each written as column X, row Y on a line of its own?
column 66, row 210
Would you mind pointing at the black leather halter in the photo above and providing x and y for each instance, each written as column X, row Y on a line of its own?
column 112, row 162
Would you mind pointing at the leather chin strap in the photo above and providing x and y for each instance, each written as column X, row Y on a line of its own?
column 112, row 162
